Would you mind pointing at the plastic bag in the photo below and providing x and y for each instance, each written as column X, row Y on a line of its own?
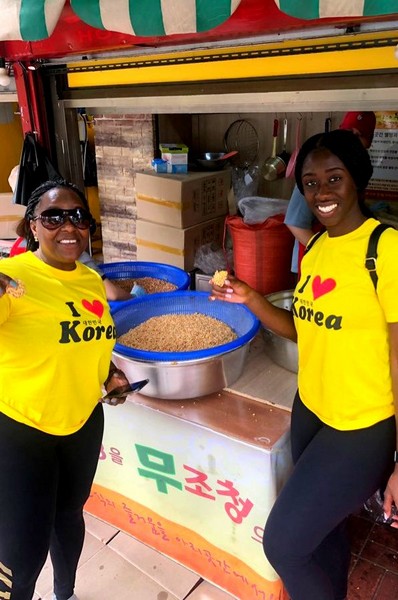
column 245, row 181
column 256, row 209
column 34, row 169
column 211, row 257
column 374, row 506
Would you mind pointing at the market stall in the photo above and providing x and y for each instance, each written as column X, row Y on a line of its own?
column 196, row 479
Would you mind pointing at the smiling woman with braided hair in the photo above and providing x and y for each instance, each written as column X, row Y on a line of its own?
column 57, row 337
column 25, row 230
column 26, row 241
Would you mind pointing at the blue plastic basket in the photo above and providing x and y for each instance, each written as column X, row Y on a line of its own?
column 135, row 312
column 136, row 270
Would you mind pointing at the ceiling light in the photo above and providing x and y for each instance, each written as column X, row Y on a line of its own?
column 5, row 78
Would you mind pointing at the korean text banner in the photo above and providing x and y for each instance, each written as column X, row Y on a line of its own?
column 195, row 495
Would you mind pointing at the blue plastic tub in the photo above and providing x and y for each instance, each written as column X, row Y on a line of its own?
column 136, row 269
column 135, row 312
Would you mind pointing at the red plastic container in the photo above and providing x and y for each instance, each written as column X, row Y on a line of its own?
column 262, row 253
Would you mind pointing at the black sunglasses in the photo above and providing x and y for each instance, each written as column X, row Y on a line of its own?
column 55, row 217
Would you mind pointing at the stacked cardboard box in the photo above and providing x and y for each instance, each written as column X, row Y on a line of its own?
column 177, row 213
column 176, row 157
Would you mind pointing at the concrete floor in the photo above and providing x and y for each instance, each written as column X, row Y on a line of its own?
column 115, row 566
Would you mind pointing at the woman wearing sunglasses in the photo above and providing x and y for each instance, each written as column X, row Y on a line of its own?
column 113, row 291
column 57, row 337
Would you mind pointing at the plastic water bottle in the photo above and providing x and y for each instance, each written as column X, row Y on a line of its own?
column 137, row 291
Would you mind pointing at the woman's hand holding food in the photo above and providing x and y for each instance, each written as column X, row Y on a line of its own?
column 279, row 320
column 232, row 290
column 115, row 379
column 9, row 286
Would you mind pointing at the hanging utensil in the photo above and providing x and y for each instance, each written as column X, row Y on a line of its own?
column 328, row 124
column 228, row 155
column 274, row 165
column 241, row 136
column 292, row 162
column 284, row 155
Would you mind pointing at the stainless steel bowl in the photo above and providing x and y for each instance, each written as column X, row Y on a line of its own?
column 281, row 350
column 188, row 379
column 181, row 375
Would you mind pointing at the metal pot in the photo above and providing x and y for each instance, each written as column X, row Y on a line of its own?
column 182, row 375
column 281, row 350
column 274, row 166
column 181, row 380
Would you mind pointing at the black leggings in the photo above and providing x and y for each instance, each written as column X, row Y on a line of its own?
column 45, row 481
column 335, row 472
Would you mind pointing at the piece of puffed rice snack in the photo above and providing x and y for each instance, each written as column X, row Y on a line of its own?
column 219, row 278
column 17, row 291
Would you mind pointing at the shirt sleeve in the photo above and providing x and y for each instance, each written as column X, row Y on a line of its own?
column 298, row 214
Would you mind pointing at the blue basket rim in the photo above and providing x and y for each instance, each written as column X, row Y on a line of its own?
column 136, row 269
column 146, row 355
column 143, row 263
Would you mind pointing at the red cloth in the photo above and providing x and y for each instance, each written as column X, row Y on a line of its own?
column 364, row 122
column 18, row 247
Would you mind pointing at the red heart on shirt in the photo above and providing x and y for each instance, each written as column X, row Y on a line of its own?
column 96, row 307
column 320, row 288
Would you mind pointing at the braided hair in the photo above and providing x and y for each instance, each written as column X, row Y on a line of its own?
column 23, row 228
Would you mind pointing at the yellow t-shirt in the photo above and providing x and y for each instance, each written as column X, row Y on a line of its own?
column 56, row 343
column 344, row 369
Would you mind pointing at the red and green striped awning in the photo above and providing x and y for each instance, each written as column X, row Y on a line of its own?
column 154, row 17
column 29, row 20
column 320, row 9
column 34, row 20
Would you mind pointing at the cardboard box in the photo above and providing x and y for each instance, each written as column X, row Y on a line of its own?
column 170, row 168
column 161, row 243
column 10, row 215
column 176, row 156
column 182, row 200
